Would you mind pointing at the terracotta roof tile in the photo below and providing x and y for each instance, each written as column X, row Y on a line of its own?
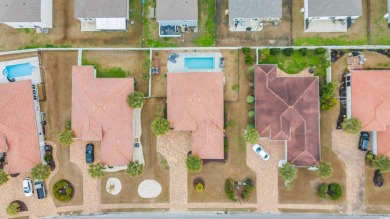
column 100, row 113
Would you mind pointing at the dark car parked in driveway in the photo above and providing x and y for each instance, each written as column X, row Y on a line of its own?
column 89, row 153
column 378, row 178
column 41, row 192
column 363, row 141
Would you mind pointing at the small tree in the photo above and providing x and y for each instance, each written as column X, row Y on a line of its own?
column 250, row 72
column 250, row 99
column 303, row 51
column 251, row 135
column 3, row 177
column 160, row 126
column 66, row 137
column 369, row 158
column 381, row 163
column 13, row 208
column 288, row 51
column 135, row 168
column 251, row 114
column 136, row 99
column 194, row 164
column 351, row 126
column 40, row 172
column 230, row 192
column 322, row 190
column 199, row 187
column 96, row 170
column 324, row 170
column 327, row 99
column 274, row 51
column 335, row 191
column 288, row 172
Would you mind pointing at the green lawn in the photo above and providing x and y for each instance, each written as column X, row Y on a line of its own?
column 296, row 63
column 336, row 41
column 207, row 37
column 116, row 72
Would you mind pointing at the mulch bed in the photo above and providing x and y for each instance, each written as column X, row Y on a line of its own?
column 23, row 206
column 336, row 54
column 49, row 150
column 343, row 102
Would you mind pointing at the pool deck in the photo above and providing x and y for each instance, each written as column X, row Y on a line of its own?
column 35, row 77
column 179, row 67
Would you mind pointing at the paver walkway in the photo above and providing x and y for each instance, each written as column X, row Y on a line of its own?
column 345, row 146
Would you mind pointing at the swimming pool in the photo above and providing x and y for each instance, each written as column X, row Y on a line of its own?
column 19, row 70
column 199, row 63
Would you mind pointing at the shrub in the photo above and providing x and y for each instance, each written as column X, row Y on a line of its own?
column 335, row 191
column 48, row 158
column 352, row 125
column 324, row 170
column 194, row 164
column 251, row 114
column 249, row 59
column 250, row 99
column 134, row 168
column 288, row 51
column 246, row 50
column 303, row 51
column 320, row 50
column 66, row 137
column 40, row 172
column 235, row 87
column 3, row 177
column 145, row 76
column 136, row 99
column 96, row 170
column 160, row 126
column 248, row 189
column 288, row 172
column 381, row 163
column 230, row 192
column 250, row 72
column 322, row 190
column 199, row 187
column 369, row 158
column 164, row 163
column 13, row 208
column 252, row 136
column 274, row 51
column 326, row 93
column 62, row 191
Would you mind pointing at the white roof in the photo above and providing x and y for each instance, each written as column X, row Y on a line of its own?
column 111, row 23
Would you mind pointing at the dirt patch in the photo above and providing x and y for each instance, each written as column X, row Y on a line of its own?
column 376, row 60
column 377, row 195
column 56, row 73
column 270, row 35
column 4, row 58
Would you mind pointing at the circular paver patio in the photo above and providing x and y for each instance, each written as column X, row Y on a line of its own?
column 113, row 186
column 149, row 189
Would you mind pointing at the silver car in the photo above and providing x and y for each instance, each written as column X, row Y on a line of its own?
column 261, row 152
column 27, row 187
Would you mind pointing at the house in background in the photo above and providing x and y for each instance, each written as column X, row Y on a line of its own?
column 331, row 15
column 97, row 15
column 287, row 109
column 100, row 113
column 250, row 15
column 27, row 13
column 176, row 16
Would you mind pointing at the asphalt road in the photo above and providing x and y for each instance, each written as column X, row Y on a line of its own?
column 218, row 216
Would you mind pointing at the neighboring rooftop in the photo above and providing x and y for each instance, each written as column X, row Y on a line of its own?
column 18, row 127
column 287, row 108
column 329, row 8
column 255, row 9
column 195, row 103
column 171, row 10
column 20, row 10
column 100, row 8
column 370, row 100
column 100, row 113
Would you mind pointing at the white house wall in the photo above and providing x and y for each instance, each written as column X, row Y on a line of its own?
column 47, row 13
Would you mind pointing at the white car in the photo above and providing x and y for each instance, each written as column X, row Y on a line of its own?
column 261, row 152
column 27, row 187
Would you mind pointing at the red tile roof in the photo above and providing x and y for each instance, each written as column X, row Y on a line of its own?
column 371, row 104
column 195, row 103
column 100, row 113
column 18, row 127
column 287, row 108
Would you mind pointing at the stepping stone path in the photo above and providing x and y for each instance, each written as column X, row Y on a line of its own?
column 149, row 189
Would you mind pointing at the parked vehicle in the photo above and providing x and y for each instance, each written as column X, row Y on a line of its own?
column 27, row 187
column 89, row 153
column 260, row 151
column 364, row 141
column 40, row 187
column 378, row 178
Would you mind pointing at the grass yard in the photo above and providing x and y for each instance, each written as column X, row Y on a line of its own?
column 206, row 23
column 296, row 62
column 379, row 33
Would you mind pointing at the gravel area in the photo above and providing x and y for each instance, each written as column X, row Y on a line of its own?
column 149, row 189
column 113, row 186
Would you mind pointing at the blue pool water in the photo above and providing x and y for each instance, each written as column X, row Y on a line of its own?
column 19, row 70
column 199, row 63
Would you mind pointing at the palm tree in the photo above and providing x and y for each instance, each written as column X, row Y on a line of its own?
column 160, row 126
column 136, row 99
column 40, row 172
column 3, row 177
column 13, row 208
column 288, row 172
column 324, row 170
column 96, row 170
column 66, row 137
column 351, row 126
column 194, row 164
column 251, row 135
column 135, row 168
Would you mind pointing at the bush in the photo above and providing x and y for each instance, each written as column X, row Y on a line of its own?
column 250, row 72
column 324, row 170
column 249, row 60
column 381, row 163
column 136, row 99
column 303, row 51
column 250, row 99
column 199, row 187
column 248, row 189
column 335, row 191
column 145, row 76
column 96, row 170
column 40, row 172
column 274, row 51
column 3, row 177
column 288, row 51
column 230, row 192
column 251, row 114
column 194, row 164
column 134, row 168
column 62, row 191
column 160, row 126
column 246, row 50
column 320, row 50
column 322, row 190
column 48, row 158
column 369, row 158
column 13, row 208
column 66, row 137
column 327, row 99
column 252, row 136
column 351, row 126
column 288, row 172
